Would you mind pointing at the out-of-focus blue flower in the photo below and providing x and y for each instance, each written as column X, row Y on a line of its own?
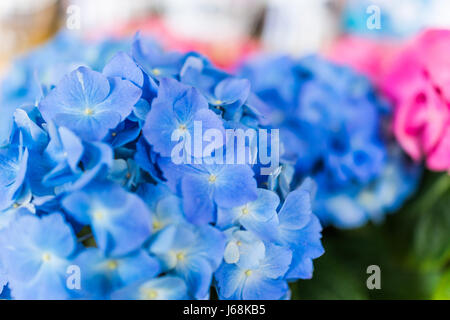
column 120, row 220
column 103, row 274
column 36, row 72
column 154, row 60
column 353, row 206
column 166, row 208
column 89, row 103
column 36, row 252
column 222, row 91
column 331, row 128
column 162, row 288
column 192, row 253
column 177, row 107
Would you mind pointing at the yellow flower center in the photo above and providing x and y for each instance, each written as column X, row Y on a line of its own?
column 46, row 257
column 88, row 112
column 182, row 127
column 156, row 225
column 156, row 71
column 212, row 178
column 239, row 243
column 98, row 215
column 245, row 210
column 248, row 273
column 112, row 264
column 180, row 256
column 150, row 294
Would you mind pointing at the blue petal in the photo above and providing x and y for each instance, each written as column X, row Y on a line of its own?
column 235, row 186
column 123, row 66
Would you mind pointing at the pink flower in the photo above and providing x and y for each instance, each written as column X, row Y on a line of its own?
column 419, row 84
column 369, row 57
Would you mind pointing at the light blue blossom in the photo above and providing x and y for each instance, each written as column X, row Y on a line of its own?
column 103, row 274
column 153, row 59
column 120, row 220
column 89, row 103
column 203, row 187
column 166, row 208
column 259, row 216
column 190, row 252
column 260, row 280
column 177, row 107
column 162, row 288
column 36, row 253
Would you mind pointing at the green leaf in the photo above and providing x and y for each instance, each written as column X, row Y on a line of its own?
column 443, row 288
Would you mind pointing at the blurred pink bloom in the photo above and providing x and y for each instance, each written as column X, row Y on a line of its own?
column 370, row 57
column 418, row 82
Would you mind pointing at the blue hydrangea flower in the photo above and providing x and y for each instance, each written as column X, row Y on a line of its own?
column 89, row 103
column 67, row 163
column 203, row 187
column 243, row 247
column 256, row 280
column 102, row 274
column 162, row 288
column 259, row 216
column 26, row 121
column 222, row 91
column 154, row 60
column 177, row 106
column 120, row 220
column 193, row 253
column 352, row 207
column 166, row 208
column 36, row 252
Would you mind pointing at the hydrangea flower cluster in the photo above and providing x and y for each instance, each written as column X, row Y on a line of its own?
column 93, row 207
column 332, row 128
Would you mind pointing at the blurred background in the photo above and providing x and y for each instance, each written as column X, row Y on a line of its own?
column 226, row 30
column 412, row 247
